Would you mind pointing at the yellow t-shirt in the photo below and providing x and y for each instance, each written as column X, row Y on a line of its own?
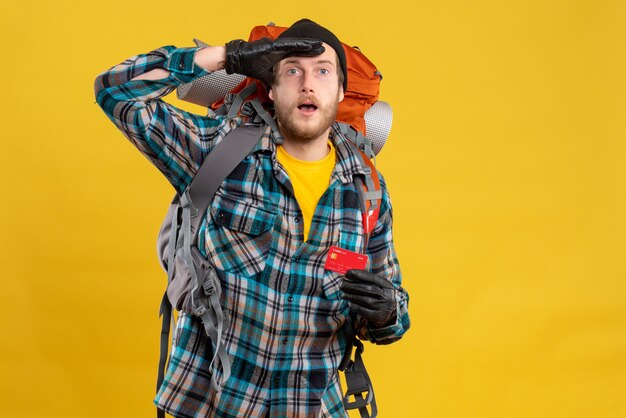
column 310, row 180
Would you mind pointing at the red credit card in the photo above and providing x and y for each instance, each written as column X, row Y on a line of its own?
column 341, row 260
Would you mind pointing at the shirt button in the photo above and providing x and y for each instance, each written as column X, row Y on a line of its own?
column 285, row 341
column 296, row 260
column 290, row 299
column 181, row 65
column 296, row 219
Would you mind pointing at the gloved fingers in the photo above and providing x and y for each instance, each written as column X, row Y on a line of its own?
column 382, row 307
column 363, row 289
column 364, row 311
column 312, row 53
column 374, row 315
column 298, row 45
column 363, row 276
column 361, row 300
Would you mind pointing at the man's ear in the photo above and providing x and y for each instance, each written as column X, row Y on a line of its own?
column 341, row 93
column 270, row 93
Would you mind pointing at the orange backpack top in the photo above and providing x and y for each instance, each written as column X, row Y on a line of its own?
column 363, row 82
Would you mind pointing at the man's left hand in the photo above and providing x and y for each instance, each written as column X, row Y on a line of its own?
column 371, row 296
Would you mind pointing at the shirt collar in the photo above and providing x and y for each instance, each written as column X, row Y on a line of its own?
column 348, row 162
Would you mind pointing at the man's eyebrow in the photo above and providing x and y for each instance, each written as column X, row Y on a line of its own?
column 325, row 62
column 295, row 60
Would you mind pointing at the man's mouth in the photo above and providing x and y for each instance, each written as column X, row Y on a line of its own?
column 307, row 107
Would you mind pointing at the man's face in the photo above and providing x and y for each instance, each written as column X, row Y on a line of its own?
column 306, row 94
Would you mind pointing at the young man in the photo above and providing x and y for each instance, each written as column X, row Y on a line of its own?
column 269, row 228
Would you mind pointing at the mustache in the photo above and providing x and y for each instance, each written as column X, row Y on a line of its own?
column 307, row 100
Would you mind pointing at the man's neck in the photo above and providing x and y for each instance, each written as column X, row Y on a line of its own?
column 313, row 150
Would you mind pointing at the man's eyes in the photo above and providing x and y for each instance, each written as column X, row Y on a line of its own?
column 294, row 71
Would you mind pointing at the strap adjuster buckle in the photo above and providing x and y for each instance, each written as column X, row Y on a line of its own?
column 358, row 387
column 208, row 286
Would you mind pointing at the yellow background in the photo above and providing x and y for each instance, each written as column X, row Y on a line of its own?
column 506, row 165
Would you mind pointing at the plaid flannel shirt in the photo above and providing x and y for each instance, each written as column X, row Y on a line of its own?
column 286, row 322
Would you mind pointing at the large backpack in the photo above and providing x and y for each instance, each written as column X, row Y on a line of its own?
column 193, row 283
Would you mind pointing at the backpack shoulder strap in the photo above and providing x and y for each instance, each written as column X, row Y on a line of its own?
column 368, row 186
column 220, row 162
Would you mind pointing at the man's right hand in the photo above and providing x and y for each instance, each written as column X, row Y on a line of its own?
column 256, row 59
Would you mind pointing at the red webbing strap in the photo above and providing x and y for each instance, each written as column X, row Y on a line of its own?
column 371, row 212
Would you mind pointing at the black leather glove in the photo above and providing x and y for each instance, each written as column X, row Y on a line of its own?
column 371, row 296
column 256, row 59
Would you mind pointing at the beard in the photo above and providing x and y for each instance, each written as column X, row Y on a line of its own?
column 301, row 130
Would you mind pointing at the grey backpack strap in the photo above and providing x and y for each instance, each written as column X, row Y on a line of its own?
column 220, row 162
column 265, row 117
column 357, row 138
column 205, row 295
column 205, row 287
column 239, row 98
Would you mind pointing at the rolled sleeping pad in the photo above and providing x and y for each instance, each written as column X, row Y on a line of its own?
column 378, row 120
column 208, row 89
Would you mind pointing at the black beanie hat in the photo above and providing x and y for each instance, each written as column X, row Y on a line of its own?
column 306, row 28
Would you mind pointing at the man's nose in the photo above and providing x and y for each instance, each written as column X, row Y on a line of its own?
column 307, row 82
